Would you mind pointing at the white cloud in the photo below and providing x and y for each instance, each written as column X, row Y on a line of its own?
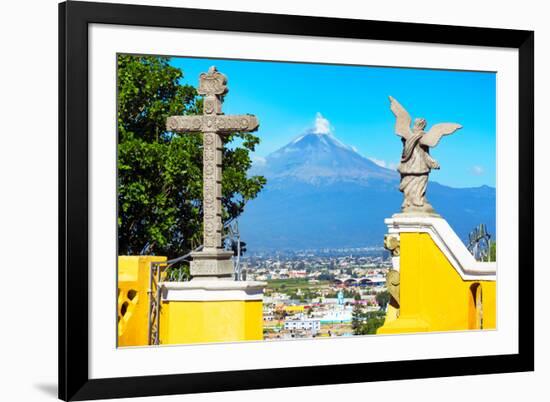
column 383, row 163
column 477, row 170
column 379, row 162
column 258, row 160
column 322, row 125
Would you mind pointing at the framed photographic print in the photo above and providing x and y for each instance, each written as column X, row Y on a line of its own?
column 258, row 200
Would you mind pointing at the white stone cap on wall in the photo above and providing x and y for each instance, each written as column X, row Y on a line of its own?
column 212, row 290
column 448, row 242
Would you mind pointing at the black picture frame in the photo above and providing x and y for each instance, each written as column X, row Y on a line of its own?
column 74, row 18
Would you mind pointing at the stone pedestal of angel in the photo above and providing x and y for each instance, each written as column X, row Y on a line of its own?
column 416, row 162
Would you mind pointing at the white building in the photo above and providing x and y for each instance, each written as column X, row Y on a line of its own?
column 303, row 325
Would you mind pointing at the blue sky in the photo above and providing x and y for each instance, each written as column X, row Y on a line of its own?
column 290, row 98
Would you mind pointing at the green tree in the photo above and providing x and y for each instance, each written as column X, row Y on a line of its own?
column 366, row 323
column 326, row 276
column 348, row 293
column 383, row 298
column 159, row 172
column 375, row 320
column 493, row 251
column 357, row 319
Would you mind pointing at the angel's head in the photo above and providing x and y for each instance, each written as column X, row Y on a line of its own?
column 419, row 124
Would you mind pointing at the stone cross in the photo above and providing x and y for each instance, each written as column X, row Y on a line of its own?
column 212, row 260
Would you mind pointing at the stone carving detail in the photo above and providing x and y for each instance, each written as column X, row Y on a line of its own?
column 391, row 243
column 184, row 123
column 416, row 162
column 218, row 124
column 212, row 83
column 392, row 283
column 209, row 155
column 209, row 106
column 209, row 139
column 213, row 124
column 209, row 170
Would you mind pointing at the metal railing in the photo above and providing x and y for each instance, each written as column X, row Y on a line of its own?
column 156, row 271
column 479, row 243
column 233, row 240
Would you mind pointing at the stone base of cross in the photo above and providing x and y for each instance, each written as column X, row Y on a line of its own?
column 213, row 261
column 212, row 264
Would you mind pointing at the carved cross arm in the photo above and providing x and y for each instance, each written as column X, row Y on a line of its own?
column 216, row 123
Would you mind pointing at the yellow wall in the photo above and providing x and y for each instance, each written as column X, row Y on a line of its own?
column 433, row 296
column 133, row 303
column 210, row 321
column 180, row 321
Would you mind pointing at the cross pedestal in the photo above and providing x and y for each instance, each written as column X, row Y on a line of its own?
column 213, row 262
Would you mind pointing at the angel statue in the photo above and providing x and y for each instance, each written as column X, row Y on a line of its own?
column 416, row 162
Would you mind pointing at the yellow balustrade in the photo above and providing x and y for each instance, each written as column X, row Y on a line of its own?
column 133, row 302
column 434, row 296
column 191, row 312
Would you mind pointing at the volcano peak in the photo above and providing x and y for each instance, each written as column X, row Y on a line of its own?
column 318, row 154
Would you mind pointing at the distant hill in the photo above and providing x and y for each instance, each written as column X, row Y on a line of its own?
column 321, row 193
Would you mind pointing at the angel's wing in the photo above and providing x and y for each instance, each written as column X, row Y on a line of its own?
column 432, row 137
column 402, row 119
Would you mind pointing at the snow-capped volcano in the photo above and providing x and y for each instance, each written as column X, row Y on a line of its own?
column 321, row 193
column 318, row 155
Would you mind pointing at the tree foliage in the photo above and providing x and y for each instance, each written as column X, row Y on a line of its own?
column 383, row 298
column 160, row 172
column 493, row 251
column 357, row 318
column 366, row 323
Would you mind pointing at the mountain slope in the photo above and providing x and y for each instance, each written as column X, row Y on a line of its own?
column 313, row 157
column 321, row 193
